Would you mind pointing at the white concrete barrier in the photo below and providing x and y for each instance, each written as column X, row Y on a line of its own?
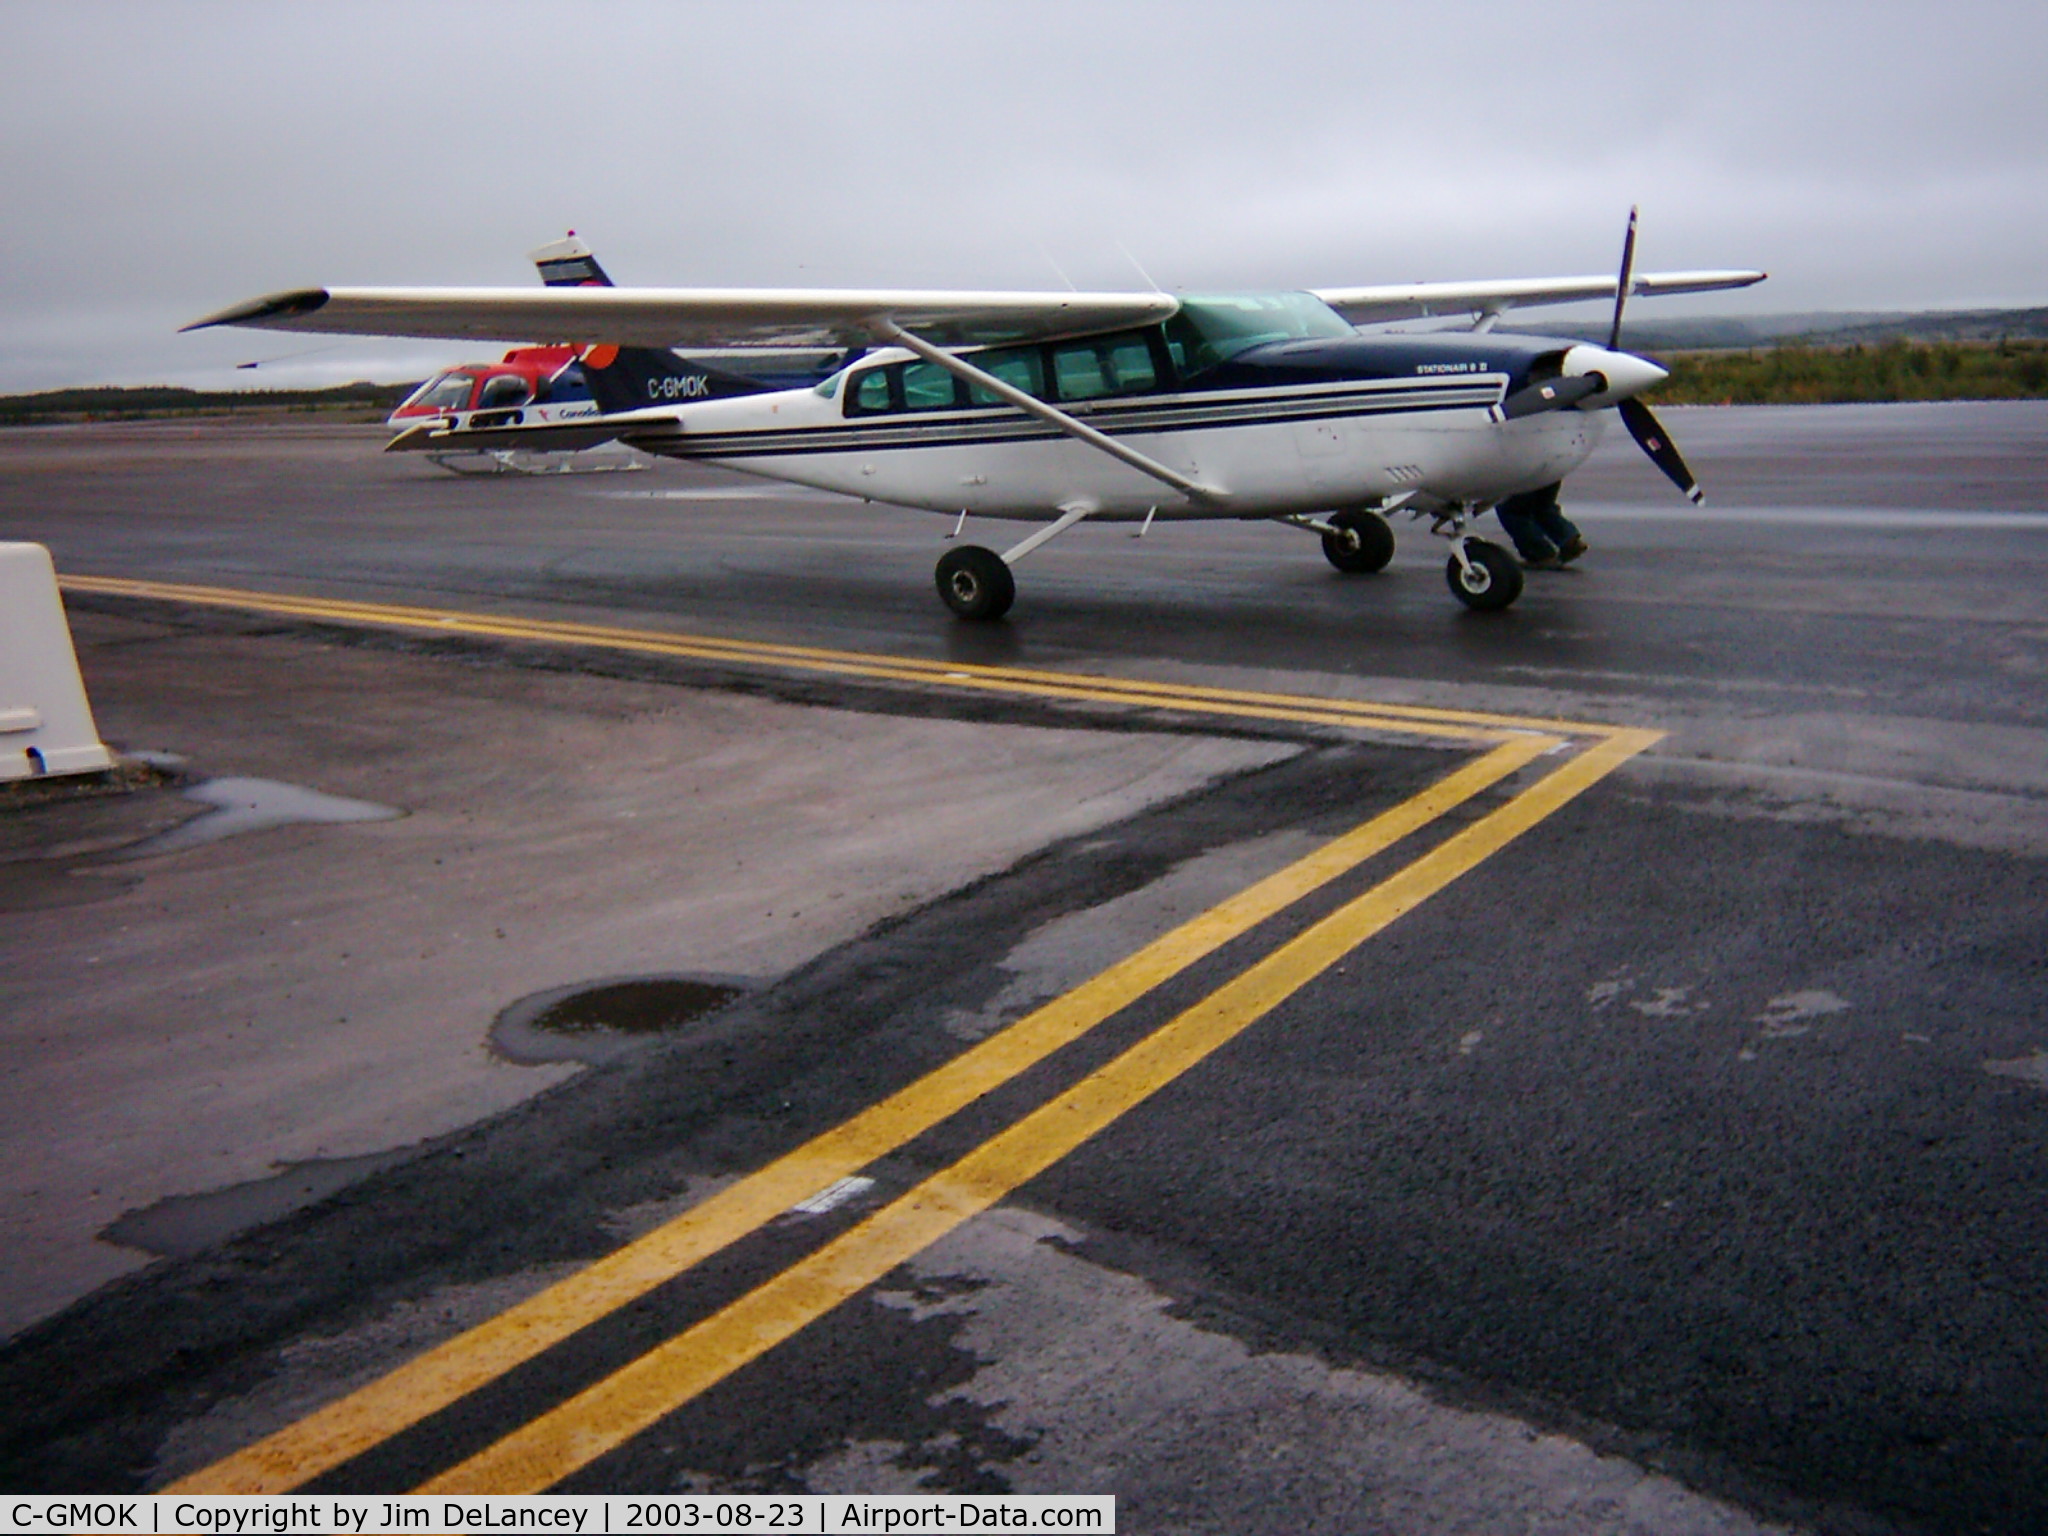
column 45, row 724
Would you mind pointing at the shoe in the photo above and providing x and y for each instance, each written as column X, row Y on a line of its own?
column 1544, row 563
column 1574, row 548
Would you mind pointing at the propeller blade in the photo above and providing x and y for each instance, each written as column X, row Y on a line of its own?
column 1628, row 272
column 1549, row 395
column 1651, row 437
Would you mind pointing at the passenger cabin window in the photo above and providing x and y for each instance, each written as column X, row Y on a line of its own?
column 1019, row 367
column 1094, row 369
column 927, row 387
column 1116, row 365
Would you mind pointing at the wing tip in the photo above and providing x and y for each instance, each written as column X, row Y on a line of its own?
column 271, row 307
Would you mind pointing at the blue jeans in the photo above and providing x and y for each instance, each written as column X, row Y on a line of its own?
column 1533, row 521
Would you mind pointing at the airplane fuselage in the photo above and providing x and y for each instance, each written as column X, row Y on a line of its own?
column 1285, row 427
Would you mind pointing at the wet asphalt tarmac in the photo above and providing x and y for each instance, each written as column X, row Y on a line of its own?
column 1706, row 1125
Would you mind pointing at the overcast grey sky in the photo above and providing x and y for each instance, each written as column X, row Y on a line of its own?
column 162, row 161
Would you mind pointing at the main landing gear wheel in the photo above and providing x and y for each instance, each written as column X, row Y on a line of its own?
column 1493, row 581
column 1362, row 544
column 975, row 583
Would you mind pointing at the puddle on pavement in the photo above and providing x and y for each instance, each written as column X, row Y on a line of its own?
column 594, row 1022
column 182, row 1225
column 256, row 805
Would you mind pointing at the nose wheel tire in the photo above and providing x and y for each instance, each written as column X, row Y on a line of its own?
column 975, row 583
column 1493, row 581
column 1362, row 543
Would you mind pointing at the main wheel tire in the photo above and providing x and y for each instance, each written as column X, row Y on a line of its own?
column 1494, row 581
column 975, row 583
column 1362, row 544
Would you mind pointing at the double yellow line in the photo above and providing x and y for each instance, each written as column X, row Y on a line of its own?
column 613, row 1410
column 1404, row 719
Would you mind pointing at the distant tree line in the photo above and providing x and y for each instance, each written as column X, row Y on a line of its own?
column 1790, row 373
column 150, row 401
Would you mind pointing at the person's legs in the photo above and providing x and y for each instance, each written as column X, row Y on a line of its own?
column 1519, row 516
column 1551, row 525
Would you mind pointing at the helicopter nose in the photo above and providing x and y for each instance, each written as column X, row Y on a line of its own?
column 1626, row 374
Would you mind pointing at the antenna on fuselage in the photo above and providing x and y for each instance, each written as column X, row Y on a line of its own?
column 1056, row 266
column 1141, row 271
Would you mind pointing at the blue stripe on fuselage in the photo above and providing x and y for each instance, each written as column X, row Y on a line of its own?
column 1386, row 375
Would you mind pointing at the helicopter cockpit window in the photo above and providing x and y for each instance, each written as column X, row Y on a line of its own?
column 450, row 392
column 506, row 389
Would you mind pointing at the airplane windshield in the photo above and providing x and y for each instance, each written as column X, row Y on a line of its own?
column 1225, row 324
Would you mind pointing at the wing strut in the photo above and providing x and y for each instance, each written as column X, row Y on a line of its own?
column 888, row 330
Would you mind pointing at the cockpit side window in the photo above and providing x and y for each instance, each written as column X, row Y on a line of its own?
column 1078, row 372
column 567, row 385
column 1132, row 368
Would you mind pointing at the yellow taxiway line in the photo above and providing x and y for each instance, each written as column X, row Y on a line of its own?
column 613, row 1410
column 604, row 1416
column 423, row 1386
column 1406, row 719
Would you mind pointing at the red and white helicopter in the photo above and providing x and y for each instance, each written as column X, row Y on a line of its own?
column 528, row 384
column 535, row 383
column 545, row 386
column 1056, row 408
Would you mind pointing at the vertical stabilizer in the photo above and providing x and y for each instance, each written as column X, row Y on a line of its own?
column 631, row 378
column 569, row 263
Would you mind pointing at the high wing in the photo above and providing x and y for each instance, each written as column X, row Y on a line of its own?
column 696, row 317
column 1410, row 301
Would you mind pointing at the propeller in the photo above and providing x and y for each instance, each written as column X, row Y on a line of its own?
column 1651, row 437
column 1628, row 273
column 1621, row 372
column 1549, row 395
column 1640, row 420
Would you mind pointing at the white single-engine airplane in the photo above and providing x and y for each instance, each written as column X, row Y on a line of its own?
column 1114, row 407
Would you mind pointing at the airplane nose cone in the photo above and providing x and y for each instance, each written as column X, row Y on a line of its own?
column 1626, row 374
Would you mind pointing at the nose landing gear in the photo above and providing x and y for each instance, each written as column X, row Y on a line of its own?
column 1482, row 575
